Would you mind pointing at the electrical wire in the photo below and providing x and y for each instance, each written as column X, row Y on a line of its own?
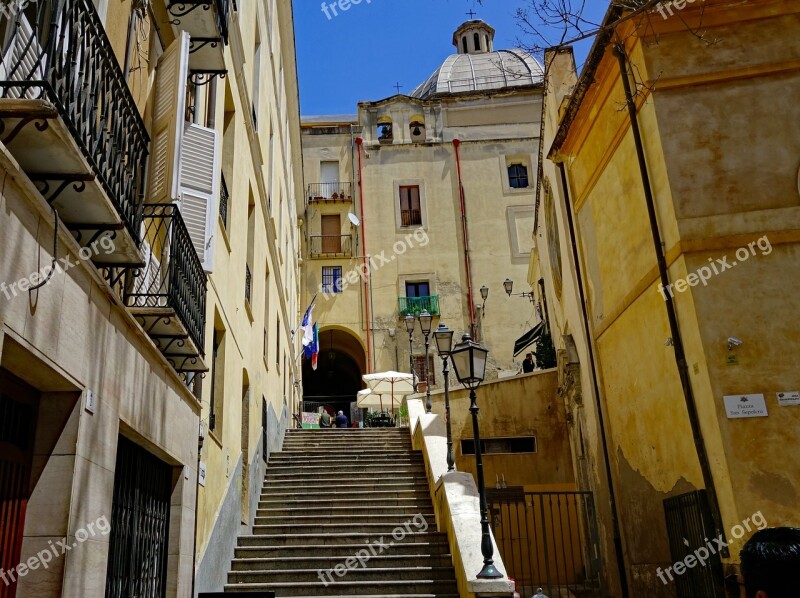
column 55, row 253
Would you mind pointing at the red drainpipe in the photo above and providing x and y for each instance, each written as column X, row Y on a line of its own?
column 465, row 233
column 360, row 141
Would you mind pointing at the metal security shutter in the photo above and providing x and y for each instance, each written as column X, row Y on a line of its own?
column 137, row 556
column 199, row 188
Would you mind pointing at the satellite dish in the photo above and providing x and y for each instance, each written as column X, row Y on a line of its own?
column 354, row 219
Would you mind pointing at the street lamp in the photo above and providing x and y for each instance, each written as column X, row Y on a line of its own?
column 410, row 322
column 508, row 284
column 425, row 321
column 484, row 296
column 469, row 363
column 444, row 344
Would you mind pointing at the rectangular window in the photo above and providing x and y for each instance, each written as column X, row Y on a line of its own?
column 217, row 380
column 332, row 279
column 278, row 344
column 497, row 446
column 425, row 374
column 410, row 210
column 256, row 75
column 331, row 234
column 418, row 289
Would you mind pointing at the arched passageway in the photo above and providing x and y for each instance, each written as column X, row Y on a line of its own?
column 337, row 379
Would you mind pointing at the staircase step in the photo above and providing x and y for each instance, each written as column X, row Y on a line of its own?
column 333, row 511
column 324, row 519
column 432, row 545
column 356, row 573
column 344, row 526
column 353, row 588
column 325, row 563
column 419, row 493
column 342, row 469
column 346, row 537
column 412, row 500
column 320, row 485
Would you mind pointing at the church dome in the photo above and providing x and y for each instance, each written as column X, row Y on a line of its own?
column 477, row 67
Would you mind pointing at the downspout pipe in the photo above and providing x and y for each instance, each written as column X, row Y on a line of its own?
column 680, row 353
column 367, row 292
column 465, row 235
column 612, row 496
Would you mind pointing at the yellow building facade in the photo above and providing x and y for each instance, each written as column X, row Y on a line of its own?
column 148, row 271
column 679, row 378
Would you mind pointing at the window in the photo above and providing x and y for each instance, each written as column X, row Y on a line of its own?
column 256, row 75
column 278, row 344
column 217, row 381
column 496, row 446
column 410, row 212
column 518, row 176
column 477, row 41
column 331, row 240
column 385, row 129
column 418, row 289
column 425, row 373
column 417, row 128
column 332, row 279
column 464, row 44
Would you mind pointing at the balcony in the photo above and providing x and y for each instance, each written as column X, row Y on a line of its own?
column 206, row 21
column 415, row 305
column 168, row 295
column 330, row 192
column 330, row 246
column 69, row 120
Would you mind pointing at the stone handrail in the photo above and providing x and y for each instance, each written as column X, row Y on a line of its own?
column 457, row 507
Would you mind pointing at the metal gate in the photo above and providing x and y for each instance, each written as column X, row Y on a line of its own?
column 547, row 540
column 18, row 405
column 137, row 559
column 690, row 526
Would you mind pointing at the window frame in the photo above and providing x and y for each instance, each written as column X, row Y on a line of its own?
column 516, row 176
column 336, row 282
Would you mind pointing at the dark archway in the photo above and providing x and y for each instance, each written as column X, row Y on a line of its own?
column 337, row 379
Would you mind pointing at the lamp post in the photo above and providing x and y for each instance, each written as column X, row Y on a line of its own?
column 425, row 321
column 410, row 322
column 508, row 284
column 444, row 344
column 469, row 363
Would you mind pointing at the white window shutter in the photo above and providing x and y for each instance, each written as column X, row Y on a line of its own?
column 169, row 114
column 199, row 188
column 22, row 61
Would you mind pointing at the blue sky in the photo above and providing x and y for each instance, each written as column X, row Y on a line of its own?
column 363, row 52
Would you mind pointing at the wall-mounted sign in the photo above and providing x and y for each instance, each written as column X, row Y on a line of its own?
column 202, row 474
column 90, row 402
column 788, row 399
column 741, row 406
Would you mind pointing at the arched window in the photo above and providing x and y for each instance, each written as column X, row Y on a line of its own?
column 417, row 128
column 385, row 129
column 486, row 40
column 464, row 44
column 477, row 39
column 518, row 176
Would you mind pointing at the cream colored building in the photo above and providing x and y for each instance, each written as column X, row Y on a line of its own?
column 432, row 193
column 137, row 292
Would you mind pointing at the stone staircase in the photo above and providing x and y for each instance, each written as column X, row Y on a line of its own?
column 332, row 501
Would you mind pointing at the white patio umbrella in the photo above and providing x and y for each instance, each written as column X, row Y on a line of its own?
column 392, row 384
column 369, row 400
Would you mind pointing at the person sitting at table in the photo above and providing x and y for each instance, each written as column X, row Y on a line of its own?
column 342, row 421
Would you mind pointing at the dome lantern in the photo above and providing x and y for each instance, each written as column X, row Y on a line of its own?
column 474, row 37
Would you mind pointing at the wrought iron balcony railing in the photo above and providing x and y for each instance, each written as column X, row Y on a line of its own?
column 324, row 192
column 415, row 305
column 58, row 51
column 410, row 218
column 321, row 246
column 171, row 283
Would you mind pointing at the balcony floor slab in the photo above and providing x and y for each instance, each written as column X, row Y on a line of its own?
column 43, row 146
column 171, row 337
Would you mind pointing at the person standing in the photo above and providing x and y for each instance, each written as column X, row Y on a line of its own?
column 324, row 418
column 528, row 365
column 342, row 421
column 770, row 561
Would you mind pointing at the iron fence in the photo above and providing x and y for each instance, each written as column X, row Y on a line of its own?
column 331, row 246
column 173, row 276
column 336, row 191
column 59, row 52
column 548, row 540
column 415, row 305
column 689, row 526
